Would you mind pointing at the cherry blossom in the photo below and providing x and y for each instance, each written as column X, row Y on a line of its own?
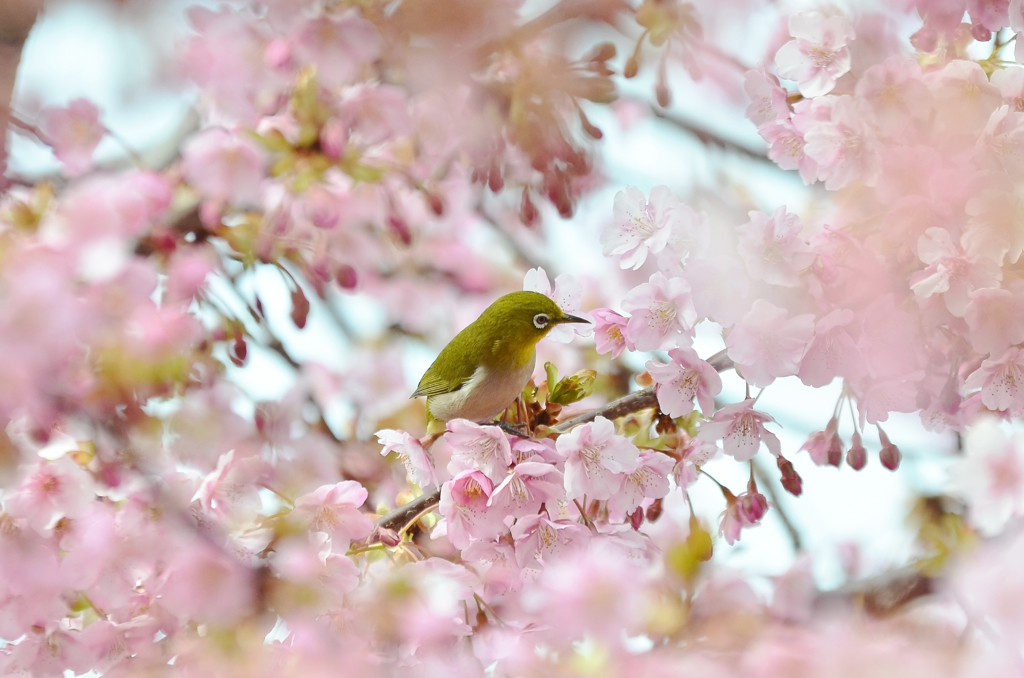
column 818, row 55
column 540, row 540
column 767, row 97
column 610, row 332
column 787, row 149
column 419, row 463
column 648, row 481
column 528, row 485
column 484, row 448
column 999, row 380
column 896, row 91
column 720, row 288
column 662, row 313
column 596, row 460
column 991, row 475
column 74, row 132
column 334, row 509
column 951, row 272
column 845, row 148
column 741, row 429
column 224, row 167
column 567, row 293
column 464, row 505
column 994, row 320
column 641, row 225
column 50, row 490
column 685, row 378
column 772, row 249
column 833, row 351
column 766, row 343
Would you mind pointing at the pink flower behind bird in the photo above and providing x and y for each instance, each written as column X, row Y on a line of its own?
column 662, row 313
column 684, row 378
column 640, row 225
column 772, row 248
column 334, row 509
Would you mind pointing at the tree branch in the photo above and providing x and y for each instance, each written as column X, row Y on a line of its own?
column 16, row 20
column 634, row 402
column 709, row 138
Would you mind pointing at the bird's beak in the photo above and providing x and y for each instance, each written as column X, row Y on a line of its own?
column 571, row 319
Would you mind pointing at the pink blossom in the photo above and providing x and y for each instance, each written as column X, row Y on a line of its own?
column 720, row 288
column 334, row 509
column 484, row 448
column 73, row 132
column 231, row 492
column 465, row 507
column 648, row 481
column 685, row 378
column 990, row 477
column 995, row 319
column 1001, row 145
column 950, row 271
column 820, row 443
column 51, row 490
column 741, row 429
column 768, row 101
column 898, row 394
column 990, row 14
column 786, row 149
column 766, row 343
column 995, row 227
column 540, row 540
column 339, row 45
column 308, row 562
column 689, row 239
column 609, row 332
column 224, row 167
column 818, row 55
column 596, row 459
column 744, row 510
column 1001, row 381
column 772, row 248
column 377, row 114
column 845, row 148
column 887, row 339
column 832, row 352
column 695, row 454
column 529, row 485
column 419, row 463
column 963, row 97
column 204, row 585
column 662, row 313
column 897, row 94
column 640, row 225
column 568, row 294
column 1010, row 83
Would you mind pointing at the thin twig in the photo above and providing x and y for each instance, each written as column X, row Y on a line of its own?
column 709, row 138
column 767, row 484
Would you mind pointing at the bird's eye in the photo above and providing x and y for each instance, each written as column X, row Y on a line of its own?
column 541, row 320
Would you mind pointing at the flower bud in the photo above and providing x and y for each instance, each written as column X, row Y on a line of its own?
column 346, row 277
column 663, row 94
column 300, row 307
column 398, row 226
column 857, row 456
column 528, row 213
column 632, row 68
column 388, row 537
column 654, row 511
column 636, row 518
column 835, row 450
column 592, row 130
column 790, row 478
column 890, row 457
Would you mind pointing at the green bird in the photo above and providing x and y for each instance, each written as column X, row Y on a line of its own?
column 486, row 366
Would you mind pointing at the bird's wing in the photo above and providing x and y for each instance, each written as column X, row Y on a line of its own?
column 433, row 384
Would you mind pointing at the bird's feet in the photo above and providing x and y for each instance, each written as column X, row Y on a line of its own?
column 518, row 430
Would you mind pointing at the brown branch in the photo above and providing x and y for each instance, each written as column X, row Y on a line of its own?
column 709, row 138
column 634, row 402
column 768, row 485
column 16, row 20
column 881, row 595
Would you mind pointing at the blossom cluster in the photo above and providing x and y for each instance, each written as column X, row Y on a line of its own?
column 160, row 518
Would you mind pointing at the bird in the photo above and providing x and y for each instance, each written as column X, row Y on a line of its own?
column 486, row 366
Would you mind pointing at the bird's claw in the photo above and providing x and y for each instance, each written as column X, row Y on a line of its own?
column 518, row 430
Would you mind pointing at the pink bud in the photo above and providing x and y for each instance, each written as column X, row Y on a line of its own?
column 890, row 455
column 300, row 308
column 400, row 229
column 527, row 210
column 636, row 518
column 980, row 33
column 346, row 277
column 790, row 478
column 857, row 456
column 835, row 450
column 278, row 54
column 388, row 537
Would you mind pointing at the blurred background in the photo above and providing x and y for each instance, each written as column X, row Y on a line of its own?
column 122, row 57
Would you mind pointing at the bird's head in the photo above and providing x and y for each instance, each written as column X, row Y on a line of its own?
column 524, row 317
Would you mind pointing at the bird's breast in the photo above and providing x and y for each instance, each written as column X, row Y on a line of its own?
column 486, row 395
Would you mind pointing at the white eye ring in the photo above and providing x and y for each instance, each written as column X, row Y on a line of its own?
column 541, row 320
